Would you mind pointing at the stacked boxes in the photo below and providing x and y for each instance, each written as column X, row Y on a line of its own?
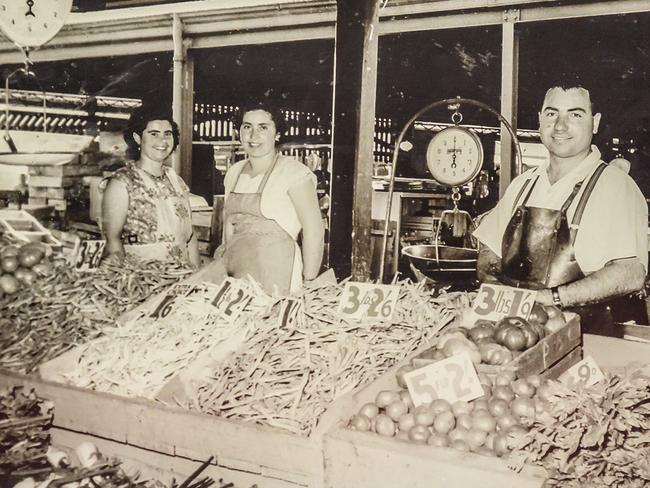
column 52, row 185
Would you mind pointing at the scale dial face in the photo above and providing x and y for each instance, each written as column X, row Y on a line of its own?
column 454, row 156
column 32, row 23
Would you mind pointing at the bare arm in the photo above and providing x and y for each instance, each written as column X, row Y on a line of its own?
column 193, row 252
column 616, row 278
column 305, row 201
column 488, row 266
column 115, row 205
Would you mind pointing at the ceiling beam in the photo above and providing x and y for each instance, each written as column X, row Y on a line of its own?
column 214, row 23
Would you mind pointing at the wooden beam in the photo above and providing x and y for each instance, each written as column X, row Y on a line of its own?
column 355, row 81
column 509, row 89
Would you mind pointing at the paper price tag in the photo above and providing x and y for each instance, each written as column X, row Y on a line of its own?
column 230, row 299
column 583, row 374
column 290, row 312
column 494, row 302
column 451, row 379
column 360, row 300
column 167, row 303
column 88, row 254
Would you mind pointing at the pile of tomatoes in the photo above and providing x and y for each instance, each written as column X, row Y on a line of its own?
column 490, row 425
column 22, row 265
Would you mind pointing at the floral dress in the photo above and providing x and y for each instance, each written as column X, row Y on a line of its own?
column 158, row 221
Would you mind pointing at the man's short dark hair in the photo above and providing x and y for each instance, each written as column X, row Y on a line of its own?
column 569, row 83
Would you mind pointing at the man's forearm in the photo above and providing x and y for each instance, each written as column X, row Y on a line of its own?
column 616, row 279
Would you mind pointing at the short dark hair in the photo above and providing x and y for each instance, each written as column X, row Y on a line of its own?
column 267, row 106
column 138, row 123
column 570, row 83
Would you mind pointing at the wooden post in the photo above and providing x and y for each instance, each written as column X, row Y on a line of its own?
column 509, row 87
column 355, row 88
column 183, row 101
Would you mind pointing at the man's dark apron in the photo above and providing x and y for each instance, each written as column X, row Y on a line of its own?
column 538, row 250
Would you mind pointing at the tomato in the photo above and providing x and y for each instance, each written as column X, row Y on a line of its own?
column 464, row 420
column 521, row 387
column 440, row 405
column 444, row 422
column 498, row 406
column 438, row 440
column 458, row 433
column 401, row 371
column 29, row 256
column 460, row 445
column 396, row 409
column 523, row 407
column 384, row 425
column 503, row 392
column 515, row 333
column 461, row 407
column 9, row 264
column 385, row 397
column 9, row 284
column 419, row 434
column 424, row 415
column 538, row 315
column 406, row 422
column 370, row 410
column 476, row 438
column 482, row 330
column 360, row 422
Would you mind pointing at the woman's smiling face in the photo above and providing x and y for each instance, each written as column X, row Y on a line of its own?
column 157, row 141
column 258, row 133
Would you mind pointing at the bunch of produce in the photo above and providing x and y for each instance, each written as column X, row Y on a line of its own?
column 597, row 436
column 488, row 425
column 497, row 343
column 286, row 377
column 137, row 359
column 68, row 308
column 25, row 420
column 21, row 266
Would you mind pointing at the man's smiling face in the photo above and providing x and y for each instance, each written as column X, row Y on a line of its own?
column 566, row 123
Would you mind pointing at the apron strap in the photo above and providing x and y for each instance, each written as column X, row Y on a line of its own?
column 521, row 192
column 567, row 203
column 577, row 216
column 262, row 184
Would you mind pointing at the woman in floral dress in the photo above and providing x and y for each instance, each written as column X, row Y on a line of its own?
column 145, row 208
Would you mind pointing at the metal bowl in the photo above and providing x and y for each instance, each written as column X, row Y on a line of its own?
column 448, row 258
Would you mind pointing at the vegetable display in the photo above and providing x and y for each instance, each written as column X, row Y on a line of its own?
column 597, row 436
column 286, row 377
column 21, row 266
column 485, row 426
column 68, row 308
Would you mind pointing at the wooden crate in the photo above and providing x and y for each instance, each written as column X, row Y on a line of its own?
column 164, row 436
column 549, row 357
column 363, row 459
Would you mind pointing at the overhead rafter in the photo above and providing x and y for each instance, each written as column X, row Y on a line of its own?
column 215, row 23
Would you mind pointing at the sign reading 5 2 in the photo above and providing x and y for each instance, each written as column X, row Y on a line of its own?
column 360, row 300
column 451, row 379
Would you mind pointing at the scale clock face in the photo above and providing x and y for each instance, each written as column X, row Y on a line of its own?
column 32, row 23
column 454, row 156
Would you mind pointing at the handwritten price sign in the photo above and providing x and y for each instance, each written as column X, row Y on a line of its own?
column 360, row 300
column 451, row 379
column 167, row 304
column 494, row 302
column 230, row 299
column 88, row 255
column 583, row 374
column 290, row 313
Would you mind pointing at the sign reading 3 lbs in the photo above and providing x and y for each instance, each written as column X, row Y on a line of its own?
column 495, row 302
column 88, row 255
column 360, row 300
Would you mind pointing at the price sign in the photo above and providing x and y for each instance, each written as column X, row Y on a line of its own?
column 494, row 302
column 583, row 374
column 88, row 254
column 231, row 298
column 451, row 379
column 290, row 312
column 360, row 300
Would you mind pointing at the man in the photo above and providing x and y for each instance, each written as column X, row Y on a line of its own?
column 574, row 228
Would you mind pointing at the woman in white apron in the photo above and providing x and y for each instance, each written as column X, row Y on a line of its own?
column 271, row 204
column 145, row 207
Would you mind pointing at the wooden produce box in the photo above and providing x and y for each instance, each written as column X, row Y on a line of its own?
column 367, row 460
column 175, row 441
column 25, row 228
column 549, row 358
